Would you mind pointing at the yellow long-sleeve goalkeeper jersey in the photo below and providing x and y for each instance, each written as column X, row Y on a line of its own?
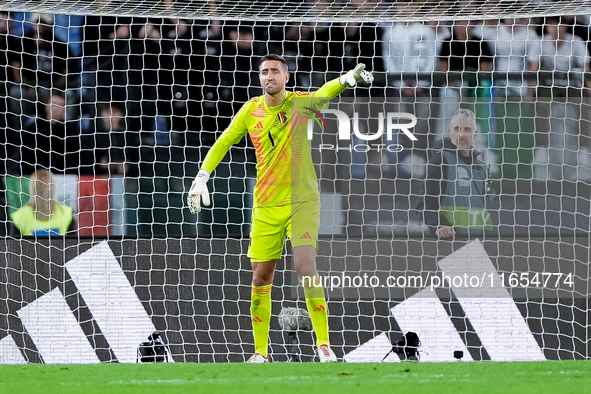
column 285, row 172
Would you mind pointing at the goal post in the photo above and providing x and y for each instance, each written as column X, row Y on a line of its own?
column 121, row 100
column 317, row 10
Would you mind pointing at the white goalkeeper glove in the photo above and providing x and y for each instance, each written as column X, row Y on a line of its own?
column 198, row 191
column 357, row 74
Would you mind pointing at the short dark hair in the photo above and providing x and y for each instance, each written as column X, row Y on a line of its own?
column 274, row 57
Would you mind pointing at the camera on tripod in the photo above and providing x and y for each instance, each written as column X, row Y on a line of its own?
column 407, row 347
column 153, row 351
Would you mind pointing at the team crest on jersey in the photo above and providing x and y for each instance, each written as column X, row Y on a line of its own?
column 463, row 173
column 282, row 117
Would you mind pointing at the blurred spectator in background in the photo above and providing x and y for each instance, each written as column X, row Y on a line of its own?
column 443, row 32
column 43, row 215
column 145, row 71
column 7, row 78
column 564, row 59
column 135, row 60
column 203, row 82
column 468, row 56
column 410, row 55
column 68, row 28
column 457, row 195
column 50, row 142
column 219, row 75
column 106, row 148
column 178, row 49
column 220, row 80
column 44, row 63
column 244, row 46
column 411, row 48
column 516, row 48
column 341, row 46
column 296, row 41
column 240, row 54
column 105, row 54
column 465, row 52
column 582, row 29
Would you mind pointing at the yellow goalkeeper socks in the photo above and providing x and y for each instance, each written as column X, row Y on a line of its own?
column 314, row 293
column 260, row 311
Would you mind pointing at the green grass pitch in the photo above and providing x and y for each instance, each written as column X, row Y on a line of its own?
column 409, row 377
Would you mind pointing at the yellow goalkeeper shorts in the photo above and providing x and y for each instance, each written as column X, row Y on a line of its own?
column 271, row 225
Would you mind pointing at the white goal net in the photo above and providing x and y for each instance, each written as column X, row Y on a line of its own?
column 107, row 109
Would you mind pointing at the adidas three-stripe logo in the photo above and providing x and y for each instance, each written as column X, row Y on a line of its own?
column 306, row 236
column 112, row 302
column 495, row 320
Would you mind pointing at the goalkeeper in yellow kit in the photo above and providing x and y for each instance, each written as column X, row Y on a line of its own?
column 286, row 195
